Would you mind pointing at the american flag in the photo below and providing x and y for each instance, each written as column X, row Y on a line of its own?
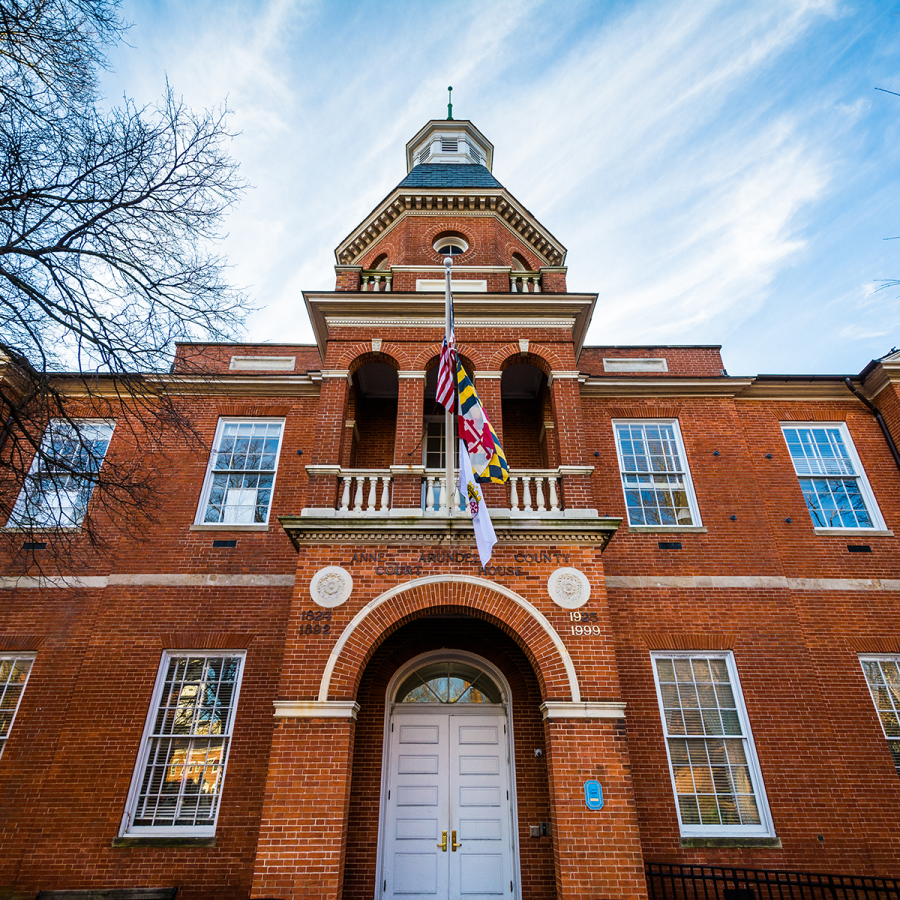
column 446, row 380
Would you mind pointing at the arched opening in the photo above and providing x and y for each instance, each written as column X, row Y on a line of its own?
column 372, row 414
column 380, row 263
column 519, row 263
column 494, row 684
column 525, row 403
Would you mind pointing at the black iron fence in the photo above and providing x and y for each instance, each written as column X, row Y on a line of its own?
column 667, row 881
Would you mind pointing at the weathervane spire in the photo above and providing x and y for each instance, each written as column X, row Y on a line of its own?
column 450, row 103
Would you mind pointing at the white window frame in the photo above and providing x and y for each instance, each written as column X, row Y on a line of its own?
column 12, row 722
column 200, row 518
column 686, row 474
column 865, row 489
column 766, row 827
column 881, row 657
column 127, row 829
column 19, row 518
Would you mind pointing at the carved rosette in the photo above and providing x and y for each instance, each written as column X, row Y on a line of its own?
column 331, row 586
column 569, row 588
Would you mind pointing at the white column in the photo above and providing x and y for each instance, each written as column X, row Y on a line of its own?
column 526, row 493
column 365, row 283
column 385, row 492
column 537, row 284
column 388, row 281
column 358, row 498
column 539, row 493
column 442, row 502
column 554, row 499
column 377, row 282
column 513, row 492
column 373, row 494
column 345, row 494
column 429, row 494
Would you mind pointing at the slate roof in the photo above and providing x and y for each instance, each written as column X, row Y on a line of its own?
column 449, row 175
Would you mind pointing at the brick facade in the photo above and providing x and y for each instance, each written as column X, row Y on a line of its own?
column 300, row 811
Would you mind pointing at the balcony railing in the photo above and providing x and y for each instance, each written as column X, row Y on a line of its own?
column 374, row 280
column 525, row 282
column 534, row 491
column 677, row 882
column 364, row 492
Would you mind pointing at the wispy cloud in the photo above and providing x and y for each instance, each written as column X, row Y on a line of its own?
column 683, row 151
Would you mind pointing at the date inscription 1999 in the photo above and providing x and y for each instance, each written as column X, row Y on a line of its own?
column 586, row 629
column 317, row 622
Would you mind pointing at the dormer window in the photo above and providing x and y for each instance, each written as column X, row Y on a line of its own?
column 450, row 245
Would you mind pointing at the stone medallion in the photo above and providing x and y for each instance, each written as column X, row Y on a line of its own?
column 331, row 586
column 569, row 588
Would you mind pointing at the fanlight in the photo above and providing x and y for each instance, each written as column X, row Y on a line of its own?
column 449, row 682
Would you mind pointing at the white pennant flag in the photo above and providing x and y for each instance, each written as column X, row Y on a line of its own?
column 470, row 491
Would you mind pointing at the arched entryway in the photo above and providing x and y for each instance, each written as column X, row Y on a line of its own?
column 468, row 767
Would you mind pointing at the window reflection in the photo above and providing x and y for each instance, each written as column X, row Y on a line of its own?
column 449, row 682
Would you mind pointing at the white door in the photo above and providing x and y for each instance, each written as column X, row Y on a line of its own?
column 448, row 779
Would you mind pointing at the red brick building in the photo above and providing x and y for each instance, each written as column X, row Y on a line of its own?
column 304, row 684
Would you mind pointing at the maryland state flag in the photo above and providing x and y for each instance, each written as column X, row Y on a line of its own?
column 485, row 452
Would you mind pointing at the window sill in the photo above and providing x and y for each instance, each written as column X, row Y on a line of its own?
column 772, row 843
column 854, row 532
column 229, row 527
column 668, row 529
column 49, row 529
column 140, row 841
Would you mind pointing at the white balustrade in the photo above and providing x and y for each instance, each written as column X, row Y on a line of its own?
column 379, row 281
column 436, row 496
column 545, row 490
column 363, row 487
column 524, row 284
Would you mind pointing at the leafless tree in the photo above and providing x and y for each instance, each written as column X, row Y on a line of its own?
column 107, row 224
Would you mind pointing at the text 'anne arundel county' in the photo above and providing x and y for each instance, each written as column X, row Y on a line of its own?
column 387, row 564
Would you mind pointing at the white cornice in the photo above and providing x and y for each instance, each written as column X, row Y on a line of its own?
column 596, row 709
column 316, row 709
column 494, row 202
column 663, row 387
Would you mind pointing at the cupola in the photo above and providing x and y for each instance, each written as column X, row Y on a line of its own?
column 449, row 141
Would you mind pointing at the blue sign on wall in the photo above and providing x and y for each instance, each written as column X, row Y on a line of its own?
column 593, row 795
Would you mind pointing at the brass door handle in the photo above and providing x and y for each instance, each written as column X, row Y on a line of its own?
column 443, row 843
column 454, row 845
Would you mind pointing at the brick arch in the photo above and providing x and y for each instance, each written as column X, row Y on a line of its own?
column 494, row 603
column 429, row 354
column 357, row 355
column 538, row 355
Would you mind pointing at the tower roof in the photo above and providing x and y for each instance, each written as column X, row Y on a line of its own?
column 452, row 175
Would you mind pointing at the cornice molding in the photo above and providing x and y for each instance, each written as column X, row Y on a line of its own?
column 322, row 529
column 316, row 709
column 591, row 709
column 496, row 203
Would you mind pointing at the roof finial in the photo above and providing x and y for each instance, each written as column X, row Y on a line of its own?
column 450, row 104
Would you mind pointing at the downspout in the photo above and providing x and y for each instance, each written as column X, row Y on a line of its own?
column 879, row 418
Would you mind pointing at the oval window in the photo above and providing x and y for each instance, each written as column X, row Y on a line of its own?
column 451, row 245
column 449, row 682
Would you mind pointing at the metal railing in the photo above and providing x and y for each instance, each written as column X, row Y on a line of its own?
column 669, row 881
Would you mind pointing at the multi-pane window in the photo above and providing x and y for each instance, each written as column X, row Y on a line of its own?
column 715, row 776
column 241, row 474
column 832, row 480
column 883, row 678
column 655, row 474
column 59, row 485
column 181, row 768
column 14, row 672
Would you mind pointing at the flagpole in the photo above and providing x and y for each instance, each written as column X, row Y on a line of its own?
column 449, row 442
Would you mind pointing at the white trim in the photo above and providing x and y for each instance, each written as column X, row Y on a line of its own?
column 470, row 708
column 372, row 605
column 126, row 829
column 596, row 709
column 263, row 363
column 458, row 286
column 208, row 477
column 634, row 364
column 766, row 827
column 865, row 489
column 693, row 505
column 411, row 375
column 315, row 709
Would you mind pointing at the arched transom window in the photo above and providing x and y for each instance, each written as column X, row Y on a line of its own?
column 449, row 682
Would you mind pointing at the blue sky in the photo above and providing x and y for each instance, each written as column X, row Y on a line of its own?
column 720, row 172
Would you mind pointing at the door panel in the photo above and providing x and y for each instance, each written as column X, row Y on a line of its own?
column 448, row 771
column 415, row 868
column 482, row 866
